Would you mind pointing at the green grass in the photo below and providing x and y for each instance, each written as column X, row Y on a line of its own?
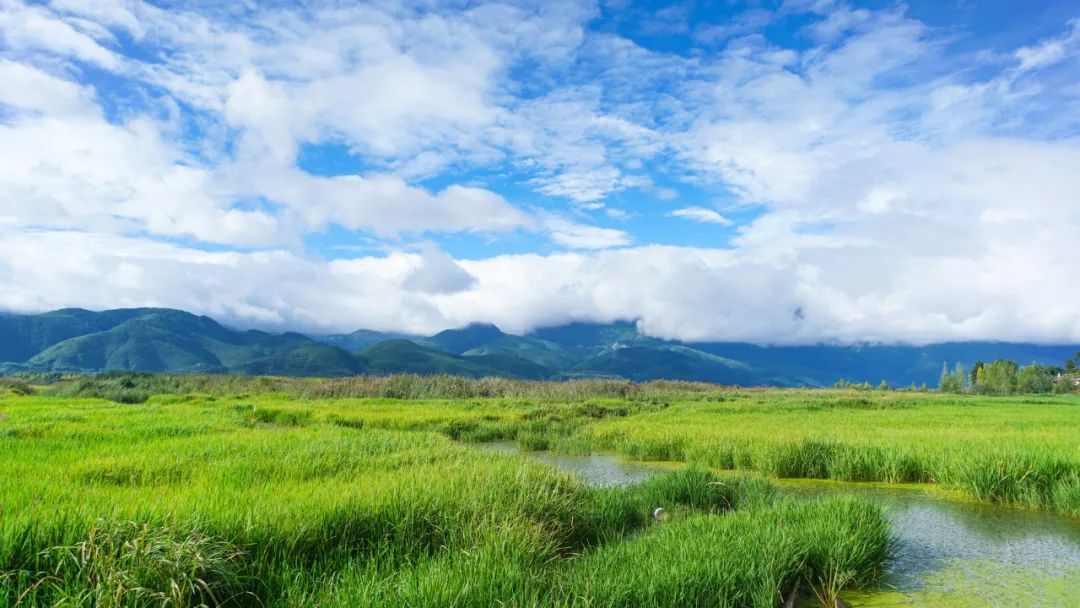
column 272, row 500
column 1022, row 450
column 253, row 492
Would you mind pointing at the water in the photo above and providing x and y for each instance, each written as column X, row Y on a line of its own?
column 951, row 553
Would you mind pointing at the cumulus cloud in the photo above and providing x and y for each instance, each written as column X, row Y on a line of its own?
column 438, row 273
column 675, row 292
column 901, row 192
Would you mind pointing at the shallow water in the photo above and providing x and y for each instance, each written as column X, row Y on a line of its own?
column 951, row 553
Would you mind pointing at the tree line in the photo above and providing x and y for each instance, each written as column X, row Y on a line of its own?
column 1005, row 377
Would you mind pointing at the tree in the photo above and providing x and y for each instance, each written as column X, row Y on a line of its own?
column 884, row 386
column 979, row 386
column 1001, row 376
column 954, row 381
column 975, row 372
column 1035, row 378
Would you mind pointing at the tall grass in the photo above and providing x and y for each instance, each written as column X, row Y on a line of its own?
column 1017, row 451
column 746, row 559
column 1012, row 450
column 398, row 386
column 271, row 500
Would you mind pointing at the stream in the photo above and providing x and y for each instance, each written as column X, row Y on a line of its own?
column 951, row 554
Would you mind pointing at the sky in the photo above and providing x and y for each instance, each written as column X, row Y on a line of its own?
column 779, row 172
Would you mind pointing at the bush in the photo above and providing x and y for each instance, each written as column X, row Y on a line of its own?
column 18, row 387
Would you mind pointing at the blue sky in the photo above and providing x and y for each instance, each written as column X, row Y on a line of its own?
column 779, row 171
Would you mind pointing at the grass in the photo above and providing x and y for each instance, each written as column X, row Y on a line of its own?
column 265, row 491
column 1022, row 451
column 272, row 500
column 1017, row 451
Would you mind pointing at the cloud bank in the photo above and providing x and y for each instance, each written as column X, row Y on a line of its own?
column 868, row 177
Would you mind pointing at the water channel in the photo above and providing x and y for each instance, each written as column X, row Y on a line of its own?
column 952, row 553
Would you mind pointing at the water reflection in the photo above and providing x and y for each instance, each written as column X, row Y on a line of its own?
column 957, row 553
column 951, row 553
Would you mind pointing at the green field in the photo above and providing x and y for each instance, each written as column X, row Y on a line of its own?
column 259, row 492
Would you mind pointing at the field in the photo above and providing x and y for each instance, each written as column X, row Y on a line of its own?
column 178, row 491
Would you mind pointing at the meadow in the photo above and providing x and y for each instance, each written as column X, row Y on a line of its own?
column 132, row 490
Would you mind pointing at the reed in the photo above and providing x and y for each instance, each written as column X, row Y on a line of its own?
column 278, row 501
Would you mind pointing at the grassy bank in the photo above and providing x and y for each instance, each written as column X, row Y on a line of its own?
column 270, row 500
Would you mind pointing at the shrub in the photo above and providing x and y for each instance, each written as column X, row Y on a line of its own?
column 18, row 387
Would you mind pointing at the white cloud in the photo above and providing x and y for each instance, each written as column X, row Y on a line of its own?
column 29, row 89
column 1048, row 52
column 703, row 215
column 438, row 273
column 581, row 236
column 1019, row 289
column 902, row 193
column 29, row 28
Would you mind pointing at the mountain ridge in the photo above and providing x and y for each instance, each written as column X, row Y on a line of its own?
column 170, row 340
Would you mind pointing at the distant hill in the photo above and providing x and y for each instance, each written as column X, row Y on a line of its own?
column 311, row 360
column 359, row 339
column 640, row 364
column 144, row 339
column 899, row 365
column 403, row 356
column 159, row 339
column 541, row 352
column 458, row 341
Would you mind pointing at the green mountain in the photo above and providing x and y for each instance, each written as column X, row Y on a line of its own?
column 23, row 336
column 158, row 339
column 458, row 341
column 642, row 363
column 482, row 340
column 312, row 360
column 404, row 356
column 359, row 339
column 145, row 339
column 541, row 352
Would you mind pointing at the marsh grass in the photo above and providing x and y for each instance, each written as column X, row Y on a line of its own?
column 271, row 500
column 130, row 564
column 743, row 559
column 246, row 492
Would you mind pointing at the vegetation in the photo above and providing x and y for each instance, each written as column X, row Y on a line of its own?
column 165, row 340
column 268, row 498
column 1005, row 377
column 1019, row 450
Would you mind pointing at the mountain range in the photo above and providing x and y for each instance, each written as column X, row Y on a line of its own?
column 167, row 340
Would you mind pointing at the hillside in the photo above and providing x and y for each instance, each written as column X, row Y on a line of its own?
column 359, row 339
column 165, row 340
column 458, row 341
column 673, row 363
column 541, row 352
column 143, row 339
column 403, row 356
column 312, row 360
